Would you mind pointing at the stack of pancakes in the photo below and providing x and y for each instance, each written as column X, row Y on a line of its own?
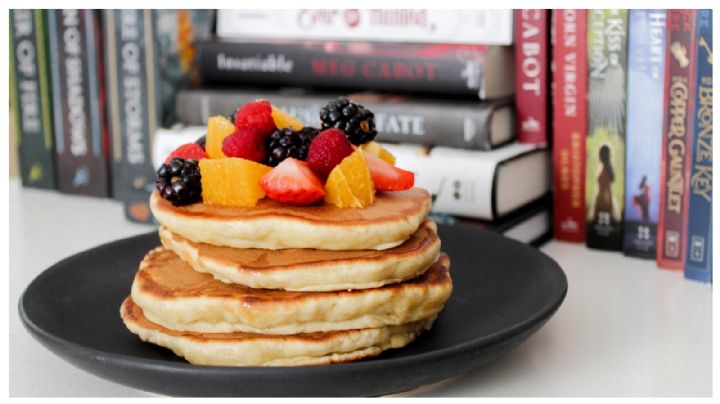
column 278, row 285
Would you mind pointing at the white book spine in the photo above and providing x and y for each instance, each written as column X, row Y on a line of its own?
column 487, row 27
column 461, row 181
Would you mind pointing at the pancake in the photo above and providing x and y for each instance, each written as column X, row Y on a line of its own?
column 246, row 349
column 175, row 296
column 310, row 269
column 271, row 225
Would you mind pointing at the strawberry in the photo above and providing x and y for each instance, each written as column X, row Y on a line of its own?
column 292, row 182
column 256, row 116
column 327, row 150
column 246, row 144
column 387, row 177
column 188, row 151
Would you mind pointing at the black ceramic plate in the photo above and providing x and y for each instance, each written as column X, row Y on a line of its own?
column 503, row 292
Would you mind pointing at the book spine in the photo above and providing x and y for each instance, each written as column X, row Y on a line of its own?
column 698, row 264
column 133, row 108
column 646, row 83
column 677, row 138
column 397, row 118
column 81, row 136
column 532, row 34
column 30, row 92
column 569, row 123
column 605, row 144
column 439, row 69
column 406, row 25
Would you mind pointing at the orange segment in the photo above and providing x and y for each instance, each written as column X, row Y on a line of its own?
column 284, row 120
column 231, row 181
column 218, row 129
column 376, row 149
column 350, row 184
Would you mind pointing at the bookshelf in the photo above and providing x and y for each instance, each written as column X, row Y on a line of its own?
column 625, row 328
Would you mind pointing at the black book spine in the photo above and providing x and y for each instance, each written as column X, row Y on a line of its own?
column 78, row 102
column 30, row 95
column 398, row 118
column 347, row 65
column 133, row 110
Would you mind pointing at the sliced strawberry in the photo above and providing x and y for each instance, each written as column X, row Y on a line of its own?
column 188, row 151
column 292, row 182
column 387, row 177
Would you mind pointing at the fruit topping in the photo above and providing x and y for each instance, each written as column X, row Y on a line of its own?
column 387, row 177
column 288, row 142
column 376, row 149
column 292, row 182
column 256, row 116
column 284, row 120
column 357, row 122
column 179, row 181
column 246, row 144
column 232, row 181
column 218, row 129
column 350, row 184
column 327, row 150
column 188, row 151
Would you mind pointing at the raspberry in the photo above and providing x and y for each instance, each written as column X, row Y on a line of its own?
column 256, row 116
column 188, row 151
column 327, row 150
column 246, row 144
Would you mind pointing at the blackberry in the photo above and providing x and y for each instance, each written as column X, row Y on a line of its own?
column 231, row 116
column 357, row 122
column 201, row 141
column 179, row 181
column 284, row 143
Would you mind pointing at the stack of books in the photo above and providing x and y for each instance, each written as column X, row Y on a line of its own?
column 440, row 83
column 633, row 134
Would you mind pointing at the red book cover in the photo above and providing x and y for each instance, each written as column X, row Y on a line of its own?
column 532, row 74
column 677, row 138
column 569, row 123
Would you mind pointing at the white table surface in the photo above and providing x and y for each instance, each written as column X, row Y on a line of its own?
column 626, row 328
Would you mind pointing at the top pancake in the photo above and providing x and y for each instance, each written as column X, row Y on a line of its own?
column 270, row 225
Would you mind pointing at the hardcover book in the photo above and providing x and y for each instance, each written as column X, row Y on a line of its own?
column 487, row 185
column 532, row 74
column 30, row 97
column 478, row 71
column 698, row 264
column 469, row 124
column 677, row 139
column 605, row 145
column 81, row 136
column 380, row 25
column 150, row 56
column 569, row 123
column 645, row 89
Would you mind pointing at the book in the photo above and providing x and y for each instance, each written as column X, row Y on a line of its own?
column 474, row 71
column 605, row 144
column 149, row 57
column 532, row 75
column 490, row 27
column 645, row 88
column 569, row 123
column 166, row 140
column 30, row 97
column 469, row 124
column 485, row 185
column 532, row 224
column 78, row 93
column 677, row 139
column 698, row 264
